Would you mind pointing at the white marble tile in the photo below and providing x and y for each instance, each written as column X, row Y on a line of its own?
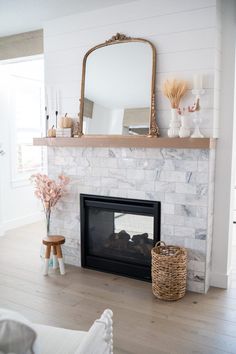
column 203, row 166
column 137, row 175
column 186, row 188
column 183, row 231
column 172, row 176
column 177, row 220
column 167, row 208
column 175, row 198
column 197, row 266
column 160, row 186
column 185, row 165
column 186, row 210
column 196, row 222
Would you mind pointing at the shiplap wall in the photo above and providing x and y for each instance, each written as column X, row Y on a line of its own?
column 186, row 35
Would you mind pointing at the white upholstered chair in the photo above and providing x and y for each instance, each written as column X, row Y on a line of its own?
column 19, row 335
column 98, row 340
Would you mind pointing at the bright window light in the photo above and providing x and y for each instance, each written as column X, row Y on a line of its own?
column 26, row 112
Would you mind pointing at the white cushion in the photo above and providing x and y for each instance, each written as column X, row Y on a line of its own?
column 17, row 334
column 53, row 340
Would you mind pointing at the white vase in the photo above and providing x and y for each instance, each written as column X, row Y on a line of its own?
column 173, row 131
column 184, row 131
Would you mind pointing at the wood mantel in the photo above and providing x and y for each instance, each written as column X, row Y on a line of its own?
column 127, row 141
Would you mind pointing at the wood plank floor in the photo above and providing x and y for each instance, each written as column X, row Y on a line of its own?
column 142, row 324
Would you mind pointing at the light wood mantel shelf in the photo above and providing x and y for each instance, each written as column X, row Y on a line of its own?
column 127, row 141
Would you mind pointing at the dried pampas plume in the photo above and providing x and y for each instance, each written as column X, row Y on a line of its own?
column 174, row 90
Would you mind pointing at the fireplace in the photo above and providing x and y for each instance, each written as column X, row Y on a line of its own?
column 117, row 234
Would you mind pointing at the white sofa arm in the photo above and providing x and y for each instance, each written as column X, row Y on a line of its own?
column 99, row 339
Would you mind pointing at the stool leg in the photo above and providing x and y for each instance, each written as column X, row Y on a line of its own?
column 54, row 259
column 46, row 262
column 60, row 260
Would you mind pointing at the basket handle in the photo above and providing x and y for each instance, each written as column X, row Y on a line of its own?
column 159, row 243
column 177, row 252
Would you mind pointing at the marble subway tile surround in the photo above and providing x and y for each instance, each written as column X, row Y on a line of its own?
column 182, row 179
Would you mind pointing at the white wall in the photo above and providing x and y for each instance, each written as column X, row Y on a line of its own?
column 224, row 176
column 184, row 33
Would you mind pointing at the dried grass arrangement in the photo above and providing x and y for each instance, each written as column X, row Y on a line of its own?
column 174, row 90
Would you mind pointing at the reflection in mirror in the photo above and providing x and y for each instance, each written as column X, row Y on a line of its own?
column 118, row 92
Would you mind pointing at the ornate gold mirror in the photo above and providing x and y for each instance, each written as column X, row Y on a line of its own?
column 118, row 88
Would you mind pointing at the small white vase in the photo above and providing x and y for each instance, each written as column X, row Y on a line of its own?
column 173, row 131
column 184, row 131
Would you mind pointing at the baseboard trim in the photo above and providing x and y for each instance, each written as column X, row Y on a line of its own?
column 220, row 280
column 18, row 222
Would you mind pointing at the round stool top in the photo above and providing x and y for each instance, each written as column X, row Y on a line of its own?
column 54, row 240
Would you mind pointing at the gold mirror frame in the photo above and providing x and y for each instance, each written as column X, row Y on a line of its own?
column 116, row 39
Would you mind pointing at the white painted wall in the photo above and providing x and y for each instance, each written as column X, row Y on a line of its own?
column 225, row 160
column 184, row 33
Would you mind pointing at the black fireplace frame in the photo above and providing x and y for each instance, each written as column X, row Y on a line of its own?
column 142, row 207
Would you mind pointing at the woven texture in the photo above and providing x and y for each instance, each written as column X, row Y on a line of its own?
column 169, row 271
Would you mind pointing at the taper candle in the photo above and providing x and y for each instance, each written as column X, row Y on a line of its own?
column 198, row 82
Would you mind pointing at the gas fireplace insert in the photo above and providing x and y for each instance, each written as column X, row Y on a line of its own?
column 117, row 234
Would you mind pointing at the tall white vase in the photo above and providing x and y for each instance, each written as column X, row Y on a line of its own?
column 173, row 131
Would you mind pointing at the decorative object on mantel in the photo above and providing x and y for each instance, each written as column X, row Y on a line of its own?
column 169, row 271
column 46, row 120
column 184, row 131
column 49, row 192
column 197, row 92
column 63, row 132
column 52, row 106
column 57, row 106
column 65, row 122
column 174, row 90
column 111, row 72
column 75, row 131
column 52, row 132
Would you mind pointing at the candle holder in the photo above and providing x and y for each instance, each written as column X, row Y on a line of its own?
column 196, row 111
column 46, row 121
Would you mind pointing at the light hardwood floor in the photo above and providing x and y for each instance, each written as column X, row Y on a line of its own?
column 142, row 324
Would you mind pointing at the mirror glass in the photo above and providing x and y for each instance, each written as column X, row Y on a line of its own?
column 117, row 93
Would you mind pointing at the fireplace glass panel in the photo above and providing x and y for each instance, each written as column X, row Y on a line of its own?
column 120, row 236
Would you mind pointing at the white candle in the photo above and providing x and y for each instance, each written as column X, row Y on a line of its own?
column 56, row 101
column 197, row 82
column 46, row 99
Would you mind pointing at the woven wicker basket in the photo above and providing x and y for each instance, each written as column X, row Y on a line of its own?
column 169, row 271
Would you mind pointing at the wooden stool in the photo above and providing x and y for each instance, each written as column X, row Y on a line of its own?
column 54, row 242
